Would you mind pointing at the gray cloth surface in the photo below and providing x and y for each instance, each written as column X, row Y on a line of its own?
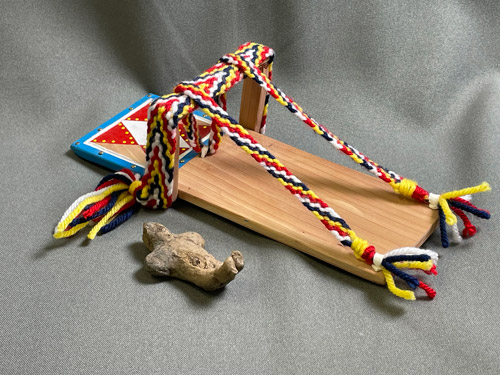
column 414, row 85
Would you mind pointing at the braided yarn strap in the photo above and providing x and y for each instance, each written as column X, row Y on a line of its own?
column 204, row 92
column 155, row 189
column 401, row 185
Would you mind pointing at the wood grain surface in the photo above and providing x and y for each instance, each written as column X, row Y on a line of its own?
column 231, row 184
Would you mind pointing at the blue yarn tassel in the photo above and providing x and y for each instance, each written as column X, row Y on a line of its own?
column 119, row 219
column 442, row 227
column 473, row 210
column 388, row 264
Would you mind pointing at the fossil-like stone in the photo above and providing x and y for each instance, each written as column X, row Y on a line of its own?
column 183, row 256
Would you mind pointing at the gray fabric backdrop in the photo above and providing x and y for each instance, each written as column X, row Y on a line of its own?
column 415, row 85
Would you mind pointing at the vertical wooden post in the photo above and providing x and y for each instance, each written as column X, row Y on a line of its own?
column 252, row 102
column 175, row 189
column 253, row 98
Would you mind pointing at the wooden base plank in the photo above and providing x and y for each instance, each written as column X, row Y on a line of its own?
column 231, row 184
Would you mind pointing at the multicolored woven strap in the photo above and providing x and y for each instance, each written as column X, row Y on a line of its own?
column 114, row 199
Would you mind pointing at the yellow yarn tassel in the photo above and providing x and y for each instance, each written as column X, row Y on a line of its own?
column 70, row 232
column 62, row 225
column 426, row 266
column 96, row 198
column 406, row 294
column 123, row 199
column 451, row 219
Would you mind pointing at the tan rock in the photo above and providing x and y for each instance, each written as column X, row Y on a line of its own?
column 183, row 256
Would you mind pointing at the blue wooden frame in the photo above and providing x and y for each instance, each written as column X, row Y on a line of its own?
column 107, row 159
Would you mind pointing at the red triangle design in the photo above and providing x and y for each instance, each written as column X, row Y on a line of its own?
column 118, row 134
column 139, row 115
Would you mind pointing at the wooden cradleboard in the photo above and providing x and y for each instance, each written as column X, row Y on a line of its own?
column 380, row 229
column 218, row 182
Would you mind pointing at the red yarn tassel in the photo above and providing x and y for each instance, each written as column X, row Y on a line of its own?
column 469, row 228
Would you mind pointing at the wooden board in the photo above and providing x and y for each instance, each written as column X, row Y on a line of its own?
column 231, row 184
